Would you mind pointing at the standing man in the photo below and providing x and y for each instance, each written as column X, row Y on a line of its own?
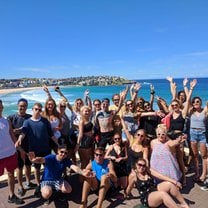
column 37, row 130
column 104, row 120
column 8, row 158
column 17, row 120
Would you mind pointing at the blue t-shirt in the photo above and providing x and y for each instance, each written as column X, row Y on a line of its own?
column 100, row 169
column 38, row 133
column 54, row 168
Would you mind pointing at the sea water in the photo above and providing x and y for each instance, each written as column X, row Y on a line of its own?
column 161, row 86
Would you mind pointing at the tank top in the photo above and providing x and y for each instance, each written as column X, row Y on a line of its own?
column 88, row 127
column 177, row 123
column 100, row 169
column 198, row 121
column 54, row 124
column 6, row 144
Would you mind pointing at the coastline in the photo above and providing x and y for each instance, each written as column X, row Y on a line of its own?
column 13, row 90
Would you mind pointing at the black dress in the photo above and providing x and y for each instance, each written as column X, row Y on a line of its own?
column 120, row 167
column 145, row 187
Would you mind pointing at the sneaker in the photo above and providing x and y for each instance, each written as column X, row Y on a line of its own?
column 14, row 199
column 30, row 185
column 37, row 192
column 205, row 186
column 21, row 191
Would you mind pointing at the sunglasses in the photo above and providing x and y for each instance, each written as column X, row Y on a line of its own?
column 141, row 165
column 97, row 154
column 64, row 152
column 62, row 106
column 115, row 99
column 174, row 105
column 146, row 105
column 117, row 138
column 161, row 134
column 141, row 135
column 37, row 109
column 97, row 104
column 128, row 104
column 196, row 101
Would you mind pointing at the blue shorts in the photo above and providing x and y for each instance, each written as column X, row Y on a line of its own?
column 55, row 185
column 197, row 135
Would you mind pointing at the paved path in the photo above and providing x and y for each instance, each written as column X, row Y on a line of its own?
column 195, row 197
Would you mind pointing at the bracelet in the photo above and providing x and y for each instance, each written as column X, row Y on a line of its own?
column 152, row 93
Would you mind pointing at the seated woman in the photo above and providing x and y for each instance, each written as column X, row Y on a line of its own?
column 102, row 177
column 150, row 194
column 117, row 153
column 137, row 148
column 163, row 157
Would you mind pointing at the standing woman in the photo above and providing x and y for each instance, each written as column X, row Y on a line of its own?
column 197, row 136
column 117, row 153
column 53, row 116
column 177, row 122
column 85, row 141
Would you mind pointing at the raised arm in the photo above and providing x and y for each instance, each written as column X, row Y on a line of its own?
column 58, row 90
column 87, row 98
column 186, row 107
column 185, row 88
column 135, row 90
column 172, row 87
column 45, row 88
column 152, row 95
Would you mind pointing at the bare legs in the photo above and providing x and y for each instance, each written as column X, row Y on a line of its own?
column 92, row 183
column 46, row 191
column 11, row 182
column 203, row 150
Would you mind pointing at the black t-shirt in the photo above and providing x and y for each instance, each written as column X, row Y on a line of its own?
column 17, row 122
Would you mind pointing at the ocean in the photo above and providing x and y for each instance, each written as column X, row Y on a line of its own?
column 162, row 89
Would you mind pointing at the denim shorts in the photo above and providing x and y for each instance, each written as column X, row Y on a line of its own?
column 197, row 135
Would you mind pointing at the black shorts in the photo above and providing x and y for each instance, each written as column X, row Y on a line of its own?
column 87, row 142
column 106, row 138
column 22, row 162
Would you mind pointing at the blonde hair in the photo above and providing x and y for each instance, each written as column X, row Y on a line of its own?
column 161, row 127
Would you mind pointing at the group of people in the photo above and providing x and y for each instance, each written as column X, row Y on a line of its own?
column 120, row 146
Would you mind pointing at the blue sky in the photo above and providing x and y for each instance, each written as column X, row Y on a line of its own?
column 135, row 39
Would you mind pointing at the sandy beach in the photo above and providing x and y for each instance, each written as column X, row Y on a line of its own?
column 12, row 90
